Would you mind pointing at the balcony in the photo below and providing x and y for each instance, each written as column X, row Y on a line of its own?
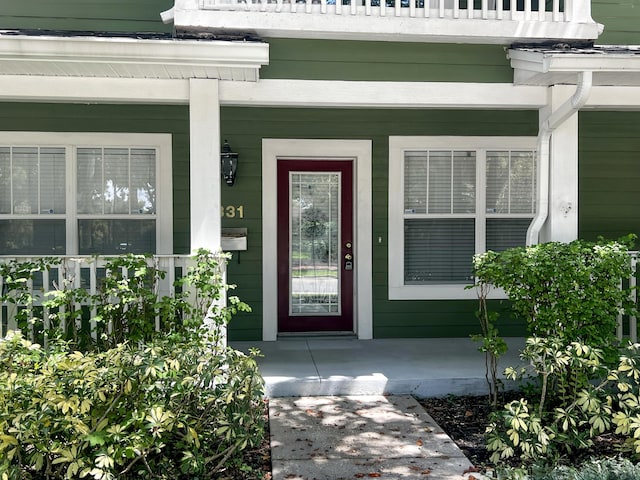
column 462, row 21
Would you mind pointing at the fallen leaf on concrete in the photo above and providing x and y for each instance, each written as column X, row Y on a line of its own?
column 419, row 442
column 374, row 475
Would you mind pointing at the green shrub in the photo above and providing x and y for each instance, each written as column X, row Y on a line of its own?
column 569, row 291
column 173, row 408
column 580, row 385
column 544, row 432
column 126, row 306
column 112, row 396
column 595, row 469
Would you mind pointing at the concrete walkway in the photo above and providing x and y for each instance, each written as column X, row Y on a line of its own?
column 347, row 437
column 342, row 408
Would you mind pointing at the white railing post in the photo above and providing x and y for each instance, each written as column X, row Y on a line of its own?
column 633, row 327
column 633, row 298
column 578, row 11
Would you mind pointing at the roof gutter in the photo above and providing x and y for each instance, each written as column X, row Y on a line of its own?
column 547, row 127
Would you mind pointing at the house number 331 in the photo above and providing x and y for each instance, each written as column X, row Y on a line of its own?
column 232, row 211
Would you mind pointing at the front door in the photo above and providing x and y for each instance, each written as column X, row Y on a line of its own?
column 315, row 246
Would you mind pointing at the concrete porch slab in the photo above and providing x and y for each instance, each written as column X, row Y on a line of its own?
column 295, row 367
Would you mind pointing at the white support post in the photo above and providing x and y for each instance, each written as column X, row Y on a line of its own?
column 562, row 221
column 204, row 169
column 204, row 173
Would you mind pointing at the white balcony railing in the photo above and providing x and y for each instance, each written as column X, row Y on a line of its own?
column 485, row 9
column 474, row 21
column 85, row 272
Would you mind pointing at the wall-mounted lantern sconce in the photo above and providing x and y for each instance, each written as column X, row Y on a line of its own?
column 229, row 164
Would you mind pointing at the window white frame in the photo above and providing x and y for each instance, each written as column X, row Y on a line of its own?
column 397, row 147
column 71, row 141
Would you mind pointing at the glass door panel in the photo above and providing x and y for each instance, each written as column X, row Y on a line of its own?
column 314, row 244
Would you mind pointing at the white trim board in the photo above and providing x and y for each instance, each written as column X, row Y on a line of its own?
column 358, row 150
column 131, row 57
column 292, row 93
column 303, row 93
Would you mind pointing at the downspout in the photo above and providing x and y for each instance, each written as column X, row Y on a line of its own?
column 553, row 121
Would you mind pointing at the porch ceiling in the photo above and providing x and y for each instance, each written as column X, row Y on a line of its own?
column 124, row 57
column 611, row 65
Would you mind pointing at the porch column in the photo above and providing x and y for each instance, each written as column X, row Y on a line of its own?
column 562, row 221
column 204, row 161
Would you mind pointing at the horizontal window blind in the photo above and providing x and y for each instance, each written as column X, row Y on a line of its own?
column 438, row 250
column 504, row 233
column 511, row 182
column 440, row 182
column 26, row 236
column 114, row 237
column 116, row 181
column 32, row 180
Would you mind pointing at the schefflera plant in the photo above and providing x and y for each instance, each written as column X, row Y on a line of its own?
column 167, row 409
column 540, row 433
column 171, row 404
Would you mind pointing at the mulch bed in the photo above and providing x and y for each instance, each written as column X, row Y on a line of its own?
column 464, row 419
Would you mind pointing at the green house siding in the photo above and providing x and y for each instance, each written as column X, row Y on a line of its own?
column 609, row 174
column 85, row 15
column 245, row 128
column 621, row 20
column 119, row 119
column 386, row 61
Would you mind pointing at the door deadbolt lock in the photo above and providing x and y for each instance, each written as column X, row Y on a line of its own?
column 348, row 245
column 348, row 257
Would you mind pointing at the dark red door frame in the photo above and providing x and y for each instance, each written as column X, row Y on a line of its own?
column 315, row 323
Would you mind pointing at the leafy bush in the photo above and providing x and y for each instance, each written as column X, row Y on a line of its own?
column 569, row 291
column 127, row 304
column 544, row 432
column 595, row 469
column 169, row 409
column 125, row 399
column 581, row 385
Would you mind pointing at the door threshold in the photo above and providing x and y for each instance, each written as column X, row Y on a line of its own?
column 316, row 335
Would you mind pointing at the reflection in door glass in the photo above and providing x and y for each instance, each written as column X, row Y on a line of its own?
column 314, row 252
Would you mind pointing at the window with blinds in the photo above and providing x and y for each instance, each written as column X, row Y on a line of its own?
column 32, row 199
column 64, row 197
column 461, row 202
column 116, row 186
